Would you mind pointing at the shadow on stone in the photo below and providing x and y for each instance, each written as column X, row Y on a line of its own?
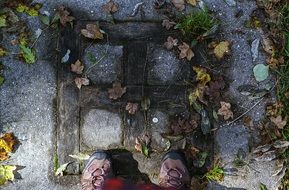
column 126, row 167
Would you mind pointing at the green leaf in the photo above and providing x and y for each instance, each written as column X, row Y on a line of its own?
column 28, row 54
column 91, row 58
column 6, row 173
column 3, row 22
column 21, row 8
column 61, row 169
column 32, row 12
column 262, row 187
column 261, row 72
column 2, row 79
column 44, row 19
column 145, row 150
column 55, row 162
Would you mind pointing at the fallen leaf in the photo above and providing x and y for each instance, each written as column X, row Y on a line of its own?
column 261, row 72
column 168, row 24
column 278, row 121
column 170, row 43
column 2, row 52
column 145, row 103
column 64, row 15
column 45, row 19
column 202, row 76
column 248, row 121
column 7, row 142
column 77, row 67
column 61, row 169
column 80, row 156
column 6, row 173
column 192, row 2
column 215, row 89
column 141, row 145
column 110, row 7
column 116, row 91
column 197, row 94
column 2, row 80
column 92, row 31
column 66, row 57
column 262, row 187
column 3, row 21
column 225, row 110
column 131, row 108
column 221, row 49
column 268, row 45
column 28, row 54
column 81, row 81
column 179, row 4
column 186, row 51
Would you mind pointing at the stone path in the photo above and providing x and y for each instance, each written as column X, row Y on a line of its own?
column 50, row 116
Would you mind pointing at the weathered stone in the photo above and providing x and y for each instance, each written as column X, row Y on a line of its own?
column 101, row 129
column 108, row 59
column 165, row 68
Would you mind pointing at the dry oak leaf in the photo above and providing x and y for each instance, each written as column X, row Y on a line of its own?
column 225, row 110
column 221, row 49
column 110, row 7
column 268, row 45
column 248, row 122
column 64, row 15
column 168, row 24
column 171, row 42
column 192, row 2
column 131, row 108
column 92, row 31
column 278, row 121
column 81, row 81
column 77, row 67
column 7, row 141
column 116, row 91
column 186, row 51
column 179, row 4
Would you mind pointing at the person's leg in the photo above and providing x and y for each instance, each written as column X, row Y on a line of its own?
column 174, row 173
column 97, row 171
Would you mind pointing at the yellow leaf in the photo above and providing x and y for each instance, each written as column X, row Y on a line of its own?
column 192, row 2
column 6, row 145
column 2, row 52
column 202, row 75
column 6, row 173
column 222, row 49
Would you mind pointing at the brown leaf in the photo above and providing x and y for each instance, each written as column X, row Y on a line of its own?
column 170, row 43
column 248, row 122
column 77, row 67
column 215, row 88
column 221, row 49
column 110, row 7
column 268, row 45
column 64, row 15
column 184, row 125
column 179, row 4
column 81, row 81
column 186, row 51
column 92, row 31
column 7, row 142
column 278, row 121
column 131, row 108
column 116, row 91
column 225, row 110
column 168, row 24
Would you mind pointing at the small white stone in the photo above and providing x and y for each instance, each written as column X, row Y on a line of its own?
column 155, row 120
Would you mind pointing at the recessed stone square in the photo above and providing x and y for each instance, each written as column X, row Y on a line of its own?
column 100, row 129
column 103, row 63
column 165, row 68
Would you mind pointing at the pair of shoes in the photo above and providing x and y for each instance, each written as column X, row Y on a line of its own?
column 173, row 173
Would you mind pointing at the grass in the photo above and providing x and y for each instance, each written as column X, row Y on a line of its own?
column 215, row 174
column 198, row 23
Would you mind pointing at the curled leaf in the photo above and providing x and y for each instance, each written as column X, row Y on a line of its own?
column 202, row 76
column 116, row 91
column 225, row 110
column 7, row 143
column 168, row 24
column 110, row 7
column 77, row 67
column 92, row 31
column 170, row 43
column 222, row 49
column 186, row 51
column 179, row 4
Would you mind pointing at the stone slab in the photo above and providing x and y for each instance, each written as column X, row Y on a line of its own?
column 100, row 129
column 107, row 65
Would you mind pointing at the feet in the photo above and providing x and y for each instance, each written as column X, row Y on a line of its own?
column 97, row 170
column 174, row 173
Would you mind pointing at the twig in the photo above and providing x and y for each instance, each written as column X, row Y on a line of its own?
column 35, row 41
